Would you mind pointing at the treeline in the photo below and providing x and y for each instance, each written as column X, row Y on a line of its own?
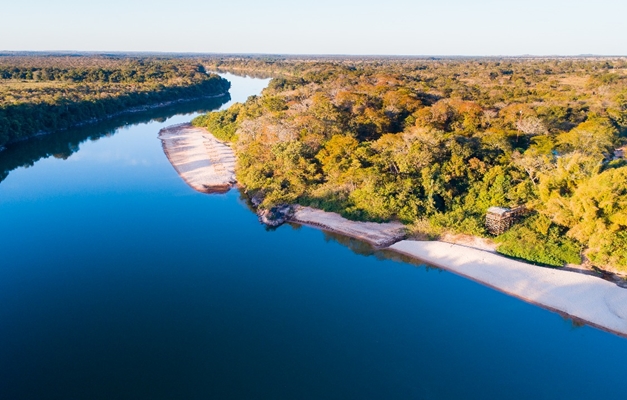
column 434, row 143
column 44, row 94
column 137, row 71
column 63, row 144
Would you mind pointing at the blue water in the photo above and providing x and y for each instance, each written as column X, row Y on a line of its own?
column 117, row 281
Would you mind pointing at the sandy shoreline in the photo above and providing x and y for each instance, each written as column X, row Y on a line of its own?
column 202, row 161
column 591, row 299
column 584, row 297
column 208, row 166
column 378, row 235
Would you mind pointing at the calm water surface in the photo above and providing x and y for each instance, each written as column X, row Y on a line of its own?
column 119, row 281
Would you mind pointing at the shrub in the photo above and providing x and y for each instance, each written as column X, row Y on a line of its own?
column 539, row 241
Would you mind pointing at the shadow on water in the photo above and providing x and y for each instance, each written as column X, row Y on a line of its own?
column 385, row 254
column 365, row 249
column 63, row 144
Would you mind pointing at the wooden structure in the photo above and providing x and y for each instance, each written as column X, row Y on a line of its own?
column 500, row 219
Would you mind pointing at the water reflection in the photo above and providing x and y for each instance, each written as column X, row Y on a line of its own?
column 356, row 246
column 63, row 144
column 363, row 248
column 247, row 74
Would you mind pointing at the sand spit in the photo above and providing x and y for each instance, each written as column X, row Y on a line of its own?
column 378, row 235
column 595, row 301
column 205, row 163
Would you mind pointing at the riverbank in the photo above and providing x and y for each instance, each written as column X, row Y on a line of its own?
column 378, row 235
column 582, row 297
column 202, row 161
column 132, row 110
column 590, row 299
column 576, row 295
column 195, row 154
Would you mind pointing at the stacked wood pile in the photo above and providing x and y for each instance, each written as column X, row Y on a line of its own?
column 500, row 219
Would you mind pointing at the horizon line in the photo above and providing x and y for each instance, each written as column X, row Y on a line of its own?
column 319, row 55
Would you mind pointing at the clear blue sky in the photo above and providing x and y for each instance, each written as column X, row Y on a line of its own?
column 403, row 27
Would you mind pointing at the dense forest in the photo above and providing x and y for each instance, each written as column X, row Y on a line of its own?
column 49, row 93
column 435, row 143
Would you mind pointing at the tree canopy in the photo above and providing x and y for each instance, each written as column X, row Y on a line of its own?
column 45, row 94
column 441, row 141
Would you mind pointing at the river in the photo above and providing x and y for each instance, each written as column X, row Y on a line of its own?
column 119, row 281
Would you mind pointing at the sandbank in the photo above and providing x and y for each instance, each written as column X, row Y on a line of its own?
column 377, row 234
column 205, row 163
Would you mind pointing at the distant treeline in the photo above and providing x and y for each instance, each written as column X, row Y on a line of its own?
column 44, row 94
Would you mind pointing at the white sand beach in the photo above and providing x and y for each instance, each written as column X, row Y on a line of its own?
column 596, row 301
column 378, row 235
column 205, row 163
